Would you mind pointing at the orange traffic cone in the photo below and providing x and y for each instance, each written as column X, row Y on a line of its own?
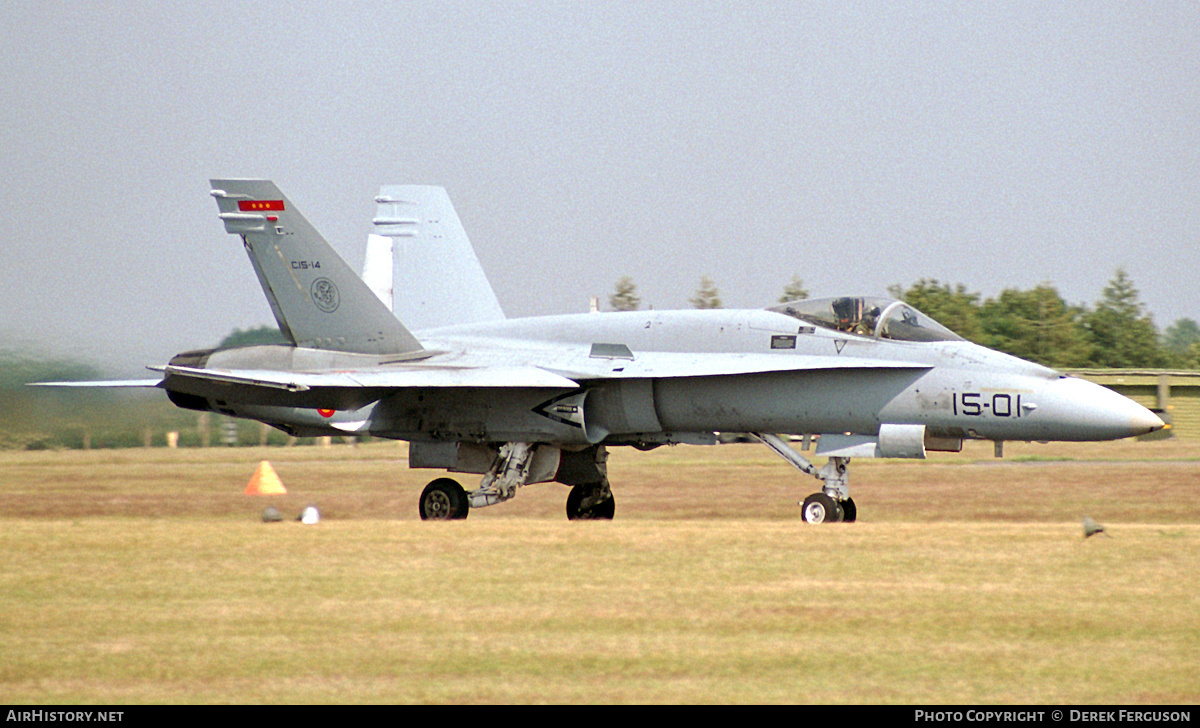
column 265, row 481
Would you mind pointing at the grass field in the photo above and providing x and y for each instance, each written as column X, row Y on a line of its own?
column 135, row 576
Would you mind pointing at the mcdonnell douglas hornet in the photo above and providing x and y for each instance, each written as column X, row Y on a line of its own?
column 532, row 400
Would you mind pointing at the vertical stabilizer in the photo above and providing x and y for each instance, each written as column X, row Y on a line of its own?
column 437, row 278
column 318, row 300
column 378, row 272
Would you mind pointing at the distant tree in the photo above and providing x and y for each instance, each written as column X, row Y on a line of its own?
column 17, row 369
column 254, row 336
column 1180, row 335
column 954, row 308
column 1036, row 325
column 707, row 295
column 1190, row 358
column 794, row 290
column 1124, row 334
column 624, row 296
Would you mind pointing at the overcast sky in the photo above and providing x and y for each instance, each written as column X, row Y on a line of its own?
column 858, row 145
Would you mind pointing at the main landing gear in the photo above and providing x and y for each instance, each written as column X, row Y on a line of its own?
column 833, row 504
column 586, row 471
column 445, row 500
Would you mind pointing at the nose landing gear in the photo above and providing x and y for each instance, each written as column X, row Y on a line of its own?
column 833, row 504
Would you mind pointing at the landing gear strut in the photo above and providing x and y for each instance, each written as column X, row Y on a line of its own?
column 833, row 504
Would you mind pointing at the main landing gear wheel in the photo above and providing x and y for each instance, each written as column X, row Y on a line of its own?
column 583, row 506
column 820, row 508
column 444, row 500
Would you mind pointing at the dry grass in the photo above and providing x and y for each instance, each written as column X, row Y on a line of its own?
column 145, row 576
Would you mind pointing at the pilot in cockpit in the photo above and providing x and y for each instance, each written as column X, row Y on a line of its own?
column 850, row 317
column 847, row 312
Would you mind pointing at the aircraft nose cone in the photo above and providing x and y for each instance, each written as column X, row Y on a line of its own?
column 1092, row 412
column 1146, row 422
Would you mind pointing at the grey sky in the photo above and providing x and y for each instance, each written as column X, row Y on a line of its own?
column 855, row 144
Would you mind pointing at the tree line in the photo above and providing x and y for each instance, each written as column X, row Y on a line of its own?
column 1036, row 324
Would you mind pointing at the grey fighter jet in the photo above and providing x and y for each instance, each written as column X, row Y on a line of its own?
column 521, row 401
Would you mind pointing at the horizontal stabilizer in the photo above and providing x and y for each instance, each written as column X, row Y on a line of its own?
column 115, row 383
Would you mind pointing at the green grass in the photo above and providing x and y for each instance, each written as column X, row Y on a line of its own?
column 147, row 577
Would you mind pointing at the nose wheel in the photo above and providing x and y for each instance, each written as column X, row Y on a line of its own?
column 849, row 511
column 821, row 508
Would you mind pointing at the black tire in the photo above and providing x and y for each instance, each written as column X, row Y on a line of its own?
column 849, row 511
column 444, row 500
column 602, row 511
column 820, row 508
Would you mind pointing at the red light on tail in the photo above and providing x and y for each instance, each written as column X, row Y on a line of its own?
column 259, row 205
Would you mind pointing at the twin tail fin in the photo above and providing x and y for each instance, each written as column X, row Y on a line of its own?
column 318, row 301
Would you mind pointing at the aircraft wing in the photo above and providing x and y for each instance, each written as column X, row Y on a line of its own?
column 354, row 388
column 665, row 365
column 349, row 389
column 409, row 377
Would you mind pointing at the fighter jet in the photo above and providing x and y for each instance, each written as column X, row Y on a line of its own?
column 532, row 400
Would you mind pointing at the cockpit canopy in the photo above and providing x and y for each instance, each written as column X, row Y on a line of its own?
column 880, row 318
